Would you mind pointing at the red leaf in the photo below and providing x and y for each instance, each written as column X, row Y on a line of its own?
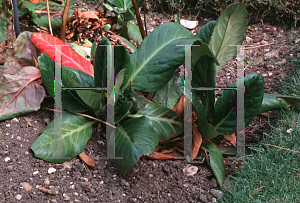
column 70, row 58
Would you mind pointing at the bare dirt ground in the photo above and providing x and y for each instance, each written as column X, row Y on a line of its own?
column 149, row 180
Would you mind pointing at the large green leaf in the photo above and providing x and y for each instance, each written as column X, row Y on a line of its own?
column 92, row 99
column 206, row 31
column 207, row 130
column 229, row 30
column 199, row 50
column 204, row 75
column 169, row 95
column 153, row 64
column 70, row 100
column 165, row 121
column 121, row 59
column 134, row 138
column 224, row 118
column 40, row 16
column 76, row 131
column 100, row 65
column 216, row 162
column 276, row 101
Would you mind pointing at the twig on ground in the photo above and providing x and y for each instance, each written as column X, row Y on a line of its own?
column 80, row 114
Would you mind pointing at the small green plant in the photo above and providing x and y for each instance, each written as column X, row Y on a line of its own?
column 124, row 13
column 122, row 9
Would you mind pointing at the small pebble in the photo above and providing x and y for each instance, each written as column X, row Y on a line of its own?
column 124, row 182
column 84, row 179
column 190, row 170
column 66, row 197
column 47, row 181
column 7, row 159
column 18, row 197
column 51, row 170
column 26, row 186
column 35, row 173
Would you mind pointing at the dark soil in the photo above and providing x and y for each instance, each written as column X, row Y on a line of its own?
column 149, row 180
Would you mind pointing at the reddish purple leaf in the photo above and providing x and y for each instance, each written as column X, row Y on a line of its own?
column 20, row 89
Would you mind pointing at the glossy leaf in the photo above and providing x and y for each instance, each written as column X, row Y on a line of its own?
column 40, row 16
column 154, row 63
column 134, row 138
column 45, row 43
column 276, row 102
column 169, row 95
column 70, row 100
column 201, row 50
column 20, row 89
column 224, row 118
column 122, row 59
column 229, row 30
column 30, row 6
column 216, row 162
column 206, row 31
column 134, row 32
column 76, row 131
column 92, row 99
column 204, row 75
column 207, row 130
column 165, row 121
column 100, row 65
